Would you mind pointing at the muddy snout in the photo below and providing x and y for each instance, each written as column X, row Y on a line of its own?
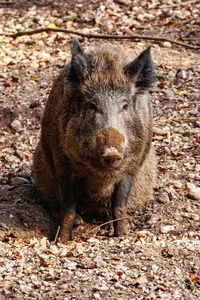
column 112, row 157
column 111, row 146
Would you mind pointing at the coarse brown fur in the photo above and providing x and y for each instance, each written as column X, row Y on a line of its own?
column 73, row 148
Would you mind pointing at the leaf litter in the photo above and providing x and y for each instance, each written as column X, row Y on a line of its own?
column 160, row 258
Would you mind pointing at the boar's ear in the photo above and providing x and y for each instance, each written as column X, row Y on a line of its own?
column 80, row 66
column 141, row 70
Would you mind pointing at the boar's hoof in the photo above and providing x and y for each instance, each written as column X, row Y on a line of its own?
column 78, row 220
column 120, row 228
column 65, row 235
column 66, row 227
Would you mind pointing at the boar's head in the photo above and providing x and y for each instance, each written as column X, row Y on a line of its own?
column 110, row 113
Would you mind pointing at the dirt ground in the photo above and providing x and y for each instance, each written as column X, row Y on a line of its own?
column 160, row 257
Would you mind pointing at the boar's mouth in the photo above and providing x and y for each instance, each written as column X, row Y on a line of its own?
column 109, row 160
column 107, row 164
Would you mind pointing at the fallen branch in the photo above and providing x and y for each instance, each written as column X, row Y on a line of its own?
column 100, row 36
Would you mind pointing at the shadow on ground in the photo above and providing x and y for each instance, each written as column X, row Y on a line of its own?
column 21, row 215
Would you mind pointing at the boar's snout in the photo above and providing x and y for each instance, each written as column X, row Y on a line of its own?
column 111, row 147
column 112, row 157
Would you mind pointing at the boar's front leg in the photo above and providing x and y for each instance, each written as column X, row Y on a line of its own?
column 119, row 205
column 67, row 190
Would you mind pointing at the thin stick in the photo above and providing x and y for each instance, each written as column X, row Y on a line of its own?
column 57, row 233
column 108, row 222
column 190, row 2
column 163, row 120
column 100, row 36
column 6, row 3
column 177, row 119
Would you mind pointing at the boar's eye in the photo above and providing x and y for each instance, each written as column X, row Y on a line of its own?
column 91, row 106
column 125, row 106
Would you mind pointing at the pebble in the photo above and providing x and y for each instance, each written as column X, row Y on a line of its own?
column 160, row 131
column 197, row 168
column 102, row 287
column 166, row 44
column 167, row 228
column 193, row 191
column 195, row 217
column 16, row 125
column 178, row 184
column 119, row 286
column 177, row 271
column 54, row 250
column 169, row 93
column 86, row 30
column 140, row 17
column 155, row 268
column 96, row 296
column 191, row 175
column 108, row 26
column 183, row 74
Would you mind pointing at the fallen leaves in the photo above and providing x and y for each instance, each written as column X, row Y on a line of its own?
column 5, row 283
column 165, row 252
column 51, row 25
column 141, row 280
column 183, row 92
column 34, row 78
column 194, row 278
column 144, row 263
column 86, row 265
column 9, row 237
column 192, row 281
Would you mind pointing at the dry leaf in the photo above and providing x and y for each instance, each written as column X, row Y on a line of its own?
column 10, row 277
column 69, row 24
column 193, row 277
column 183, row 92
column 8, row 83
column 140, row 280
column 5, row 283
column 120, row 273
column 34, row 78
column 185, row 62
column 51, row 25
column 166, row 253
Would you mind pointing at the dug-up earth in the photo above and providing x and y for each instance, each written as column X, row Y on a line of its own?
column 160, row 257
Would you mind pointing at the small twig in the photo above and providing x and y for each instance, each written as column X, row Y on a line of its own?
column 163, row 120
column 190, row 2
column 189, row 119
column 178, row 22
column 108, row 222
column 6, row 3
column 57, row 233
column 177, row 119
column 100, row 36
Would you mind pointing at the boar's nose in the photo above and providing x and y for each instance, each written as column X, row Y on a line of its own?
column 112, row 157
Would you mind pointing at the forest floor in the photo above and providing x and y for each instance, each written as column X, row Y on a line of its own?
column 160, row 257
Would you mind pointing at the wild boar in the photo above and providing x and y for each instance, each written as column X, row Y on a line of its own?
column 95, row 155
